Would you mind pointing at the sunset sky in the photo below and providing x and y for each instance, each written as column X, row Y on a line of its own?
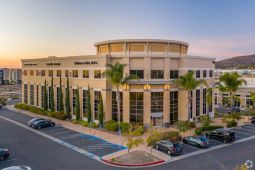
column 41, row 28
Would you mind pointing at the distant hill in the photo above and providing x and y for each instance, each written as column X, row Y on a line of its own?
column 247, row 61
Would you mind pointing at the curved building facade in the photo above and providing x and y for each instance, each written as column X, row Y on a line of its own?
column 153, row 100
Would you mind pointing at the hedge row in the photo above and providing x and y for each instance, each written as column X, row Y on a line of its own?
column 85, row 123
column 200, row 130
column 57, row 115
column 171, row 135
column 124, row 126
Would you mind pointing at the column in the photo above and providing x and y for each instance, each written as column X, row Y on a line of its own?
column 166, row 109
column 183, row 105
column 107, row 100
column 147, row 108
column 126, row 106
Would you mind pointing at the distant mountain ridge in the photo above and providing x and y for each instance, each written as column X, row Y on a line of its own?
column 247, row 61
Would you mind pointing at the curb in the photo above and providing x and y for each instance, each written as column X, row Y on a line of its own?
column 133, row 165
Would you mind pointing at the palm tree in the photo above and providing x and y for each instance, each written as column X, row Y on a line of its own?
column 222, row 89
column 232, row 81
column 115, row 75
column 189, row 83
column 252, row 95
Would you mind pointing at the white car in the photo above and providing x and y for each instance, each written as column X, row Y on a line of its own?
column 17, row 168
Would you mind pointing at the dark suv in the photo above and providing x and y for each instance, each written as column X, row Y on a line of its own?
column 224, row 135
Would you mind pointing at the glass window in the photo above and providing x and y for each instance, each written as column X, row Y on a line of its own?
column 58, row 73
column 138, row 73
column 50, row 73
column 31, row 72
column 42, row 72
column 84, row 102
column 204, row 101
column 37, row 73
column 204, row 73
column 197, row 73
column 66, row 73
column 157, row 74
column 37, row 95
column 173, row 107
column 75, row 73
column 32, row 94
column 97, row 74
column 156, row 102
column 85, row 73
column 115, row 108
column 74, row 100
column 136, row 107
column 210, row 73
column 97, row 95
column 174, row 74
column 25, row 72
column 25, row 94
column 198, row 102
column 42, row 96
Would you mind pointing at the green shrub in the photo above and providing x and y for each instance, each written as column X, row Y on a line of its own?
column 137, row 129
column 192, row 125
column 200, row 130
column 231, row 123
column 85, row 124
column 3, row 101
column 94, row 125
column 183, row 126
column 172, row 135
column 111, row 125
column 124, row 126
column 205, row 120
column 59, row 115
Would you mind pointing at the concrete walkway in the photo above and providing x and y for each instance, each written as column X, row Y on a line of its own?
column 101, row 134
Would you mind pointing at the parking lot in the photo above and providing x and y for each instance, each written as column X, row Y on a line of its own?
column 240, row 133
column 89, row 143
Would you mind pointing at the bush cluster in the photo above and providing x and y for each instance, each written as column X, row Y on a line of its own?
column 231, row 123
column 112, row 126
column 57, row 115
column 192, row 125
column 85, row 123
column 200, row 130
column 3, row 101
column 171, row 135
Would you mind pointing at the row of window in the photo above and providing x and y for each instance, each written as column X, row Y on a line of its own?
column 155, row 74
column 73, row 73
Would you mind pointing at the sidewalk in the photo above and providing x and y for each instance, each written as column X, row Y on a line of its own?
column 115, row 139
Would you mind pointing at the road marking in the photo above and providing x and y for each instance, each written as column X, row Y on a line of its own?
column 253, row 132
column 77, row 149
column 61, row 132
column 243, row 133
column 71, row 136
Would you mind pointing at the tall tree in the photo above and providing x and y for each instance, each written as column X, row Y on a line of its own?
column 89, row 113
column 45, row 97
column 115, row 75
column 232, row 81
column 68, row 107
column 61, row 107
column 77, row 105
column 222, row 89
column 101, row 112
column 52, row 108
column 189, row 83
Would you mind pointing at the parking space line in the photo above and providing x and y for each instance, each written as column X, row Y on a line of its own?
column 243, row 133
column 248, row 127
column 57, row 133
column 253, row 132
column 52, row 129
column 71, row 136
column 190, row 146
column 218, row 142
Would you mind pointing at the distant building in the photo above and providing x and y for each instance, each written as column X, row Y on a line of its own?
column 154, row 100
column 243, row 93
column 10, row 76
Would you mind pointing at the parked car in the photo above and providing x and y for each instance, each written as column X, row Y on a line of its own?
column 199, row 141
column 171, row 148
column 253, row 120
column 222, row 134
column 43, row 124
column 32, row 121
column 4, row 153
column 18, row 168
